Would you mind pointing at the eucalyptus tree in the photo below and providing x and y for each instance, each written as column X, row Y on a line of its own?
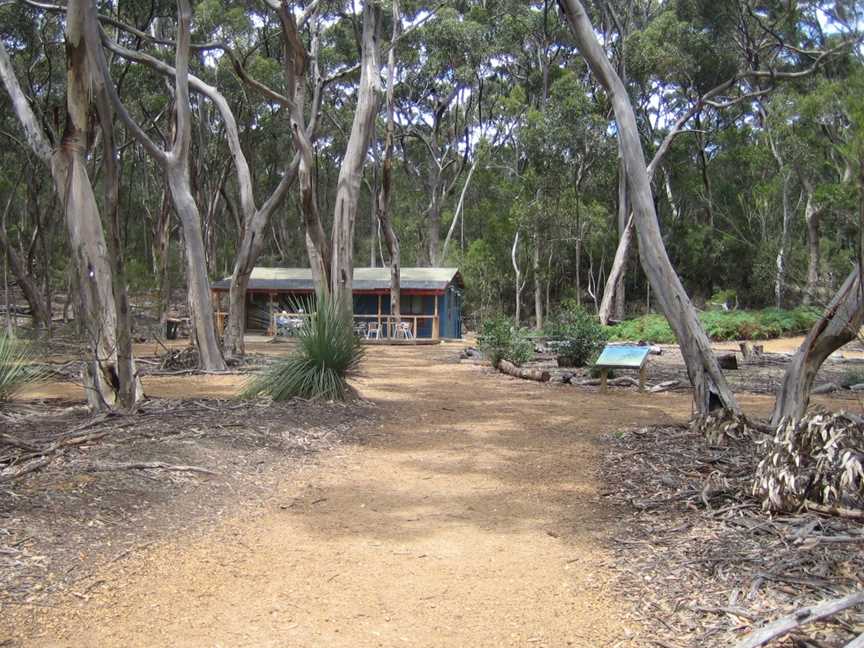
column 702, row 368
column 176, row 163
column 108, row 385
column 684, row 52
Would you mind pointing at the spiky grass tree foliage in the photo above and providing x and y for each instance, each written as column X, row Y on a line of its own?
column 327, row 353
column 16, row 369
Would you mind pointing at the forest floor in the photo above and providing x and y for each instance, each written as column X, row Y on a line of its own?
column 453, row 506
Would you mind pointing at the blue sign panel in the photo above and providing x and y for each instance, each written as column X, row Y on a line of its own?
column 623, row 356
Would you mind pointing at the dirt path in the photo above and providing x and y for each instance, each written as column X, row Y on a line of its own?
column 471, row 518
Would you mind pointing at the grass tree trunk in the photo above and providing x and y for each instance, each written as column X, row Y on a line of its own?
column 839, row 325
column 384, row 201
column 350, row 173
column 709, row 384
column 96, row 305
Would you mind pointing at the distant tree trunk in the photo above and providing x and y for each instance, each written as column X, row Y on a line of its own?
column 839, row 325
column 350, row 173
column 702, row 368
column 623, row 215
column 518, row 315
column 161, row 252
column 616, row 274
column 538, row 284
column 785, row 241
column 385, row 194
column 812, row 217
column 25, row 281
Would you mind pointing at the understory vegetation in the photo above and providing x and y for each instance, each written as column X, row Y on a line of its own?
column 722, row 325
column 327, row 354
column 575, row 335
column 500, row 340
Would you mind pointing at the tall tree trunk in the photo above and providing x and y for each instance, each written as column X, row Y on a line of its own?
column 384, row 201
column 130, row 390
column 161, row 257
column 350, row 173
column 702, row 368
column 518, row 315
column 176, row 165
column 538, row 284
column 785, row 242
column 812, row 217
column 623, row 214
column 96, row 306
column 839, row 325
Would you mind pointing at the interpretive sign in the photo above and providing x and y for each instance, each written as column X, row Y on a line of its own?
column 622, row 356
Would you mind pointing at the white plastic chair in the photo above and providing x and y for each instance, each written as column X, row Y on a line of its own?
column 373, row 330
column 405, row 330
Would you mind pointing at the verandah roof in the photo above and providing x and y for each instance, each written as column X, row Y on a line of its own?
column 365, row 279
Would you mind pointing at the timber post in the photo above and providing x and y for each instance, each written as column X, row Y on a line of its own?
column 436, row 323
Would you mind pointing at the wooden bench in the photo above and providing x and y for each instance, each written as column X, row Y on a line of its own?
column 622, row 356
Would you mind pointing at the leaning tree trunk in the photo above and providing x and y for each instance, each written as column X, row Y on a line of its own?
column 350, row 173
column 26, row 282
column 702, row 368
column 838, row 325
column 623, row 217
column 384, row 201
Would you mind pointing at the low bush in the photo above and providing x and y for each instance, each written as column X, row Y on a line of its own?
column 327, row 353
column 576, row 335
column 16, row 368
column 722, row 325
column 500, row 340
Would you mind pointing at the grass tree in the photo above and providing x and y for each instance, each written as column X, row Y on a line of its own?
column 327, row 353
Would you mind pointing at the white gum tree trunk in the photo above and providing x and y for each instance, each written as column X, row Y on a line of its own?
column 176, row 164
column 350, row 173
column 97, row 306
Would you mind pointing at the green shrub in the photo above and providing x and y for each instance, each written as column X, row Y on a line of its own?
column 576, row 334
column 852, row 377
column 327, row 352
column 499, row 340
column 16, row 369
column 722, row 325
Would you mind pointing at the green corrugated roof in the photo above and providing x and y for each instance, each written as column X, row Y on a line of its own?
column 364, row 279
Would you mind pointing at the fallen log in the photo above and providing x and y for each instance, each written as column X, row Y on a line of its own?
column 507, row 367
column 827, row 388
column 664, row 386
column 801, row 617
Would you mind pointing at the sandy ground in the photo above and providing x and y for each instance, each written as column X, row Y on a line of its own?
column 473, row 518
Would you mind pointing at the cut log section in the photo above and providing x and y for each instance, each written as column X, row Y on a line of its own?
column 728, row 361
column 540, row 375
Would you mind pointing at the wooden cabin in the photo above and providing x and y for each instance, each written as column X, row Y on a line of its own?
column 431, row 299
